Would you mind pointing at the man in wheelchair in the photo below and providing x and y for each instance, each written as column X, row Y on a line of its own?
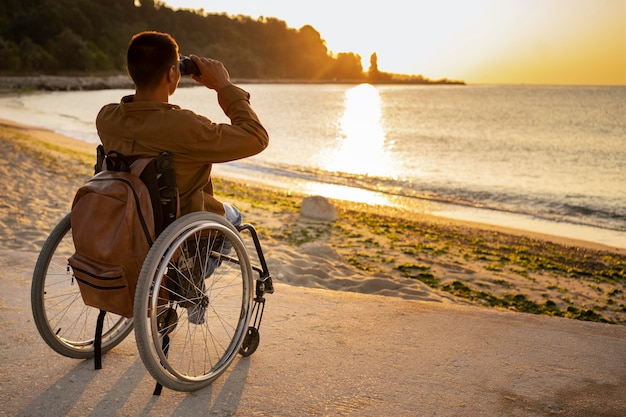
column 145, row 124
column 199, row 263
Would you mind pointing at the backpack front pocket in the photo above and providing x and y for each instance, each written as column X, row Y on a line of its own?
column 102, row 285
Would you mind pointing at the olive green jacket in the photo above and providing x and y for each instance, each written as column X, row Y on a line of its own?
column 195, row 142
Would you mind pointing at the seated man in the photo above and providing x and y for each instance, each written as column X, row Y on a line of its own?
column 145, row 124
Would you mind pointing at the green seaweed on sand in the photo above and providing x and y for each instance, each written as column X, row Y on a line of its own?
column 521, row 303
column 420, row 272
column 375, row 241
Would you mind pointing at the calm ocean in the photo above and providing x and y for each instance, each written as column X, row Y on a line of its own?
column 550, row 159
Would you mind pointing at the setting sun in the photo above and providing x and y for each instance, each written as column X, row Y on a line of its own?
column 479, row 41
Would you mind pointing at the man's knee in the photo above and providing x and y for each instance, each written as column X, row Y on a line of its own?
column 233, row 215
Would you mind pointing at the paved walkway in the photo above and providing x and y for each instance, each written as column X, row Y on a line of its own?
column 335, row 353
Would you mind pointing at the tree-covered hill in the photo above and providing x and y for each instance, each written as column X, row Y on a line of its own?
column 91, row 36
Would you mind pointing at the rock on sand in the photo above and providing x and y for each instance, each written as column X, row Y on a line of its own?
column 318, row 208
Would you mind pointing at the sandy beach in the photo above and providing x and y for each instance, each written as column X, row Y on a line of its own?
column 369, row 249
column 396, row 262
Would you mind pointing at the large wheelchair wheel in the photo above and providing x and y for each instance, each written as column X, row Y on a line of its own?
column 64, row 322
column 193, row 301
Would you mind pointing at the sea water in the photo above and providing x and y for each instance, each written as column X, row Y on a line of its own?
column 542, row 158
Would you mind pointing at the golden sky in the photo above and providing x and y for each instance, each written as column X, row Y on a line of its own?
column 478, row 41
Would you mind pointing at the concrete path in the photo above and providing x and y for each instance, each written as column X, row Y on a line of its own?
column 335, row 353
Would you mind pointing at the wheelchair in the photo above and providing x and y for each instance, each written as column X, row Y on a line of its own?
column 197, row 304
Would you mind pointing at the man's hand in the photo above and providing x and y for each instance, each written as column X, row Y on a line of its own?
column 214, row 74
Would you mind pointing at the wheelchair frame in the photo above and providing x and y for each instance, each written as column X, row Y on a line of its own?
column 67, row 325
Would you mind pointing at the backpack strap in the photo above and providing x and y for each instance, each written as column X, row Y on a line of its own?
column 111, row 161
column 169, row 207
column 119, row 162
column 100, row 160
column 137, row 166
column 97, row 341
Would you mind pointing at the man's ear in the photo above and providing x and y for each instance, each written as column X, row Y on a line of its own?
column 171, row 74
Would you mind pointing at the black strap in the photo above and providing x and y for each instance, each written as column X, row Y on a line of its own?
column 168, row 190
column 112, row 161
column 160, row 179
column 97, row 341
column 100, row 158
column 166, row 347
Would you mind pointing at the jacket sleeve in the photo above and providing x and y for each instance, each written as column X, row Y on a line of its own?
column 243, row 137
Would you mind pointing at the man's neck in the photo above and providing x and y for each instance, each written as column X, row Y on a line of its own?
column 153, row 95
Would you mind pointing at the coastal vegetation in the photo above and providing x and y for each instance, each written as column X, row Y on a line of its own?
column 490, row 268
column 89, row 37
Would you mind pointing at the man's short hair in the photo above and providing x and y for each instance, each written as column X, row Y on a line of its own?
column 149, row 57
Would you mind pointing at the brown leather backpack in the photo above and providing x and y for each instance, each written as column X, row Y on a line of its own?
column 115, row 218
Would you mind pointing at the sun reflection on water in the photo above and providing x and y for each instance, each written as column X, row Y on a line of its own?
column 341, row 192
column 362, row 147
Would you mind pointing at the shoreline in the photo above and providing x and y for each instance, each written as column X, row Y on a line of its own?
column 369, row 249
column 594, row 237
column 16, row 84
column 587, row 235
column 19, row 84
column 603, row 226
column 43, row 82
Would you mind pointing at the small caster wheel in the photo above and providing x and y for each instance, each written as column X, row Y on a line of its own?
column 250, row 342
